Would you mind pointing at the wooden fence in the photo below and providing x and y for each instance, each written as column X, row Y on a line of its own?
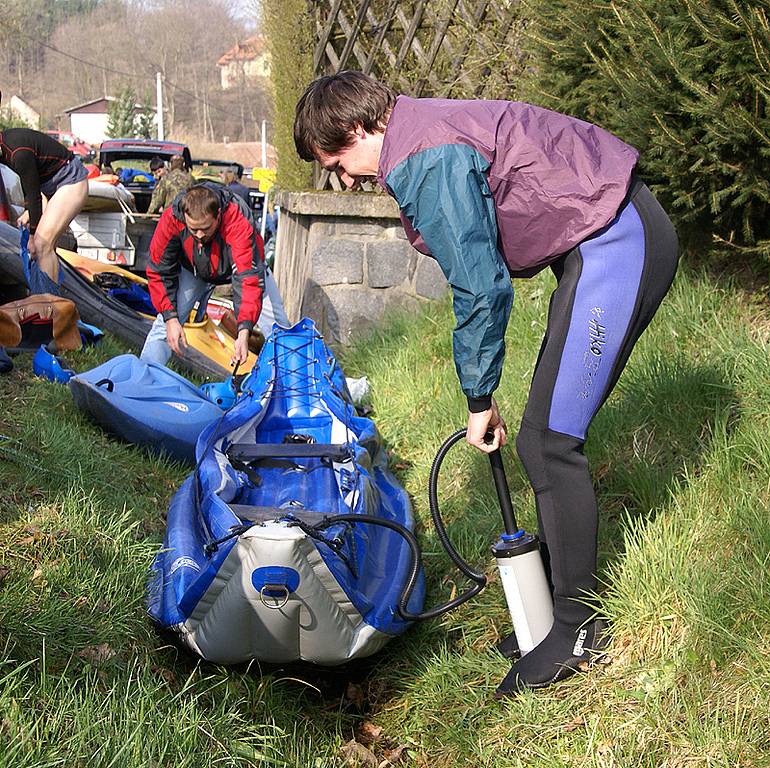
column 439, row 48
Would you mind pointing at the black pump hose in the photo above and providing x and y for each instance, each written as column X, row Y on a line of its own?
column 416, row 556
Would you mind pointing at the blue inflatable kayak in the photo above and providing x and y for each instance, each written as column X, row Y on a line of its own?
column 145, row 404
column 251, row 566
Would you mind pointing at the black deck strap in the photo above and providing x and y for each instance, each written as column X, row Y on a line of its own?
column 238, row 379
column 243, row 466
column 261, row 514
column 110, row 384
column 336, row 544
column 235, row 530
column 246, row 452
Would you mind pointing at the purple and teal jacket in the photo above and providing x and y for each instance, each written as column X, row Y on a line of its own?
column 494, row 189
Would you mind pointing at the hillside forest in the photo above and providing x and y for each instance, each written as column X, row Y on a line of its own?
column 56, row 54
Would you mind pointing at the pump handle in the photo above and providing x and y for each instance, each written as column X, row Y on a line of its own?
column 501, row 486
column 503, row 493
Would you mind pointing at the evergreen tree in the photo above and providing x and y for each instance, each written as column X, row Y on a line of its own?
column 561, row 39
column 145, row 123
column 121, row 116
column 289, row 31
column 684, row 81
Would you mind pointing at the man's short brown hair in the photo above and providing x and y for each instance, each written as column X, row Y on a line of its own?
column 176, row 163
column 333, row 105
column 199, row 201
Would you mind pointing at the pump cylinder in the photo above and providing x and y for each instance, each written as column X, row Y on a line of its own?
column 526, row 588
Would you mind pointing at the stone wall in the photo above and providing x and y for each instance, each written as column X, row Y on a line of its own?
column 342, row 259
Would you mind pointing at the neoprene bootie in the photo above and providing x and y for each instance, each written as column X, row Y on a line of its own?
column 564, row 651
column 509, row 647
column 568, row 519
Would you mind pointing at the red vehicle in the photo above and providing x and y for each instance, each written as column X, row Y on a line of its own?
column 73, row 143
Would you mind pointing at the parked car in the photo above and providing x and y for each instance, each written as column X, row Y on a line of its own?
column 208, row 169
column 121, row 236
column 135, row 155
column 211, row 170
column 75, row 145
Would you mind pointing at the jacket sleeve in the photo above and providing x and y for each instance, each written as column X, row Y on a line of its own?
column 444, row 194
column 156, row 201
column 24, row 163
column 164, row 265
column 248, row 266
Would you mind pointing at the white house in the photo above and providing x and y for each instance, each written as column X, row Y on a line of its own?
column 22, row 110
column 89, row 120
column 247, row 61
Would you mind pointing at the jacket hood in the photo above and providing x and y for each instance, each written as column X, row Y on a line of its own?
column 224, row 195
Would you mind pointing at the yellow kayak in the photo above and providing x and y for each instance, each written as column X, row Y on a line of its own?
column 210, row 346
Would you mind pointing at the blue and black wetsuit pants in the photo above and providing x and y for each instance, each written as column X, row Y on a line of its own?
column 608, row 289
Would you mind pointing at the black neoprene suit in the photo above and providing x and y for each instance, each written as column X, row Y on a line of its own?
column 35, row 157
column 554, row 460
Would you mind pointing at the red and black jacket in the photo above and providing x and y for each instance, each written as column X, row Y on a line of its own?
column 36, row 158
column 236, row 253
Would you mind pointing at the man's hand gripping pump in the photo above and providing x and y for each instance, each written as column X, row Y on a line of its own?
column 518, row 560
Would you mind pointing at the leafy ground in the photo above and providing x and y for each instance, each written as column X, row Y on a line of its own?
column 681, row 458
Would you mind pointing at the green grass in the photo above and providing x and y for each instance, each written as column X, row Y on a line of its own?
column 681, row 458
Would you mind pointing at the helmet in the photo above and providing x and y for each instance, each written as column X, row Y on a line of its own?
column 49, row 366
column 89, row 334
column 220, row 392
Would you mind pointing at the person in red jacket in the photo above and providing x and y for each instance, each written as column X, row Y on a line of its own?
column 207, row 237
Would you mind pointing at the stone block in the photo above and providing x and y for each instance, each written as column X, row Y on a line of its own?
column 335, row 261
column 355, row 311
column 343, row 312
column 359, row 228
column 365, row 205
column 396, row 231
column 321, row 227
column 389, row 263
column 315, row 305
column 429, row 280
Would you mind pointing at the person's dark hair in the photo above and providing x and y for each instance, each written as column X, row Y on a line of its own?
column 332, row 106
column 156, row 163
column 199, row 201
column 176, row 163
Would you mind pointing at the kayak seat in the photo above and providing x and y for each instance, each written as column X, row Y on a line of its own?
column 247, row 452
column 261, row 514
